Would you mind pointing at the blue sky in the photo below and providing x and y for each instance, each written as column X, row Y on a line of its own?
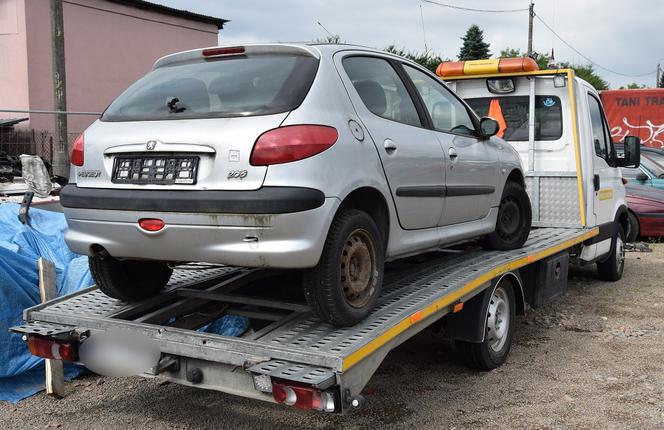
column 626, row 37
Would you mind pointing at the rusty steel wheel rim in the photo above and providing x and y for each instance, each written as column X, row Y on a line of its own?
column 358, row 268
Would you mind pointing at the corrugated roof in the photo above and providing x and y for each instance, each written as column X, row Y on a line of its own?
column 142, row 4
column 11, row 121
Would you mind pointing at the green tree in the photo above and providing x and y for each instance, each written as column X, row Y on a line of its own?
column 660, row 84
column 426, row 59
column 474, row 47
column 334, row 38
column 633, row 86
column 542, row 60
column 588, row 74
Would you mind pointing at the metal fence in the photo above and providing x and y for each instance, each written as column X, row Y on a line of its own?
column 17, row 141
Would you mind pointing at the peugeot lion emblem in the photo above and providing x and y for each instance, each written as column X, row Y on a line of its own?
column 150, row 145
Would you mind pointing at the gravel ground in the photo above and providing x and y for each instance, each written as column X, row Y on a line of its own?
column 591, row 360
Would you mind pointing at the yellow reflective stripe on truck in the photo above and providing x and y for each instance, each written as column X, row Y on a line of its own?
column 357, row 356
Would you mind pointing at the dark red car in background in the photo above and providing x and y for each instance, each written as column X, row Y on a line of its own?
column 646, row 211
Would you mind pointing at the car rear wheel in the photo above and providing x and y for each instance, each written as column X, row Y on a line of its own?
column 128, row 280
column 343, row 288
column 633, row 230
column 514, row 219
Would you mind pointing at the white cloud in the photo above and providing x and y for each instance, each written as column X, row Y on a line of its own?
column 623, row 36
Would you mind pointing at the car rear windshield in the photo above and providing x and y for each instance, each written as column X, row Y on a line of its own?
column 217, row 87
column 514, row 113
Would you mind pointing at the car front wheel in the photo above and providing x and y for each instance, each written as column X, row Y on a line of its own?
column 128, row 280
column 343, row 288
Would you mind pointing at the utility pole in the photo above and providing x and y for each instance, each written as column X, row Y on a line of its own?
column 531, row 15
column 659, row 75
column 60, row 160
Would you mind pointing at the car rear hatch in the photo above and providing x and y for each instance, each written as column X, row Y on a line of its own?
column 191, row 123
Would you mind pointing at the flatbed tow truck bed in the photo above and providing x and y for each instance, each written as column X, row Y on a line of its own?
column 287, row 344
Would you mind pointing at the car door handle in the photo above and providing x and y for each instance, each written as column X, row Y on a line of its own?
column 453, row 154
column 389, row 145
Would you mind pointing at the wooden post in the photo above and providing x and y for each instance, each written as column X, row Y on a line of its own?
column 55, row 379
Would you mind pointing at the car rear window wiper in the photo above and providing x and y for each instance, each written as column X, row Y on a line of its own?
column 172, row 106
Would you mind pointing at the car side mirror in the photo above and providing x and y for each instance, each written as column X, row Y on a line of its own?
column 488, row 127
column 36, row 176
column 632, row 157
column 642, row 177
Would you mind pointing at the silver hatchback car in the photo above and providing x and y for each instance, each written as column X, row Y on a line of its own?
column 328, row 158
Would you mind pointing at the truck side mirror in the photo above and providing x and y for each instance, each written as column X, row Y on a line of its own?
column 488, row 127
column 632, row 157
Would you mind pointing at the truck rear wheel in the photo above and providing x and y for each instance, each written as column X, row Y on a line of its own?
column 343, row 288
column 514, row 219
column 611, row 269
column 128, row 280
column 499, row 327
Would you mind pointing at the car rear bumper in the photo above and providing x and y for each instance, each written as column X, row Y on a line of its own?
column 280, row 240
column 651, row 224
column 265, row 200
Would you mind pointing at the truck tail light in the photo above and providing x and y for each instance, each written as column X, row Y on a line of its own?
column 292, row 143
column 54, row 350
column 151, row 224
column 303, row 396
column 76, row 156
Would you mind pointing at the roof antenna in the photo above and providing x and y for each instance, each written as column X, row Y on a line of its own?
column 424, row 34
column 326, row 30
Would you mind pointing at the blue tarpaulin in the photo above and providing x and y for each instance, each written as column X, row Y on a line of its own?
column 21, row 374
column 20, row 248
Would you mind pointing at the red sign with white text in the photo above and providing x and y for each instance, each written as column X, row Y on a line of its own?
column 636, row 113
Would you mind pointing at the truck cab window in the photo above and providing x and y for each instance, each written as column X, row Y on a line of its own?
column 601, row 140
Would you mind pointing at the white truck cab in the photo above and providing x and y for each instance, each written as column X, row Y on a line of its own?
column 556, row 122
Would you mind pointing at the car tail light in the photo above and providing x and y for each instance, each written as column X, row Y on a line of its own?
column 303, row 397
column 47, row 348
column 231, row 50
column 151, row 224
column 76, row 156
column 292, row 143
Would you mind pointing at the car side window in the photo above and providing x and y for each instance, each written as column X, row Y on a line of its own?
column 601, row 141
column 381, row 89
column 447, row 112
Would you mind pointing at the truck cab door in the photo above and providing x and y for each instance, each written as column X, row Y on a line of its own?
column 607, row 181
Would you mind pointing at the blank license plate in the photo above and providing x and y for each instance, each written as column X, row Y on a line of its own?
column 155, row 169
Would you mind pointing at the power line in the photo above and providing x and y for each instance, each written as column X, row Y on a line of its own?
column 586, row 57
column 451, row 6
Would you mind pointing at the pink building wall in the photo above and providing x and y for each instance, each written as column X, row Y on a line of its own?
column 13, row 58
column 107, row 47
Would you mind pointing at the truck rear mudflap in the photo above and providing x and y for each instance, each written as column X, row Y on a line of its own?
column 287, row 356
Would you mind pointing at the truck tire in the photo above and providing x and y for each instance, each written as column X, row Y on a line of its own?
column 612, row 268
column 128, row 280
column 514, row 219
column 343, row 288
column 633, row 230
column 499, row 323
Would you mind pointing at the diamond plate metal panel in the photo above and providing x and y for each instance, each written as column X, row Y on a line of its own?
column 557, row 200
column 95, row 303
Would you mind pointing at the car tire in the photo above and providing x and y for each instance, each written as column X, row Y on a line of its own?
column 499, row 323
column 612, row 268
column 344, row 287
column 514, row 219
column 128, row 280
column 633, row 231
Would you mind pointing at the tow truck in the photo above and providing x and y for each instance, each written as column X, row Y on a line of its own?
column 289, row 357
